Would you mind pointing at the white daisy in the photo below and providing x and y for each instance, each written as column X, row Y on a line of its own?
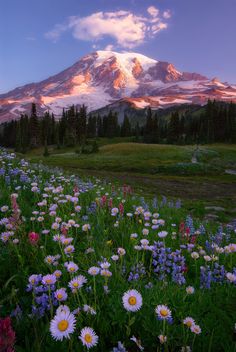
column 77, row 282
column 94, row 270
column 196, row 329
column 163, row 312
column 132, row 300
column 189, row 322
column 60, row 294
column 88, row 337
column 62, row 325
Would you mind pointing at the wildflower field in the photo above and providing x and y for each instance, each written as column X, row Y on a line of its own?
column 86, row 265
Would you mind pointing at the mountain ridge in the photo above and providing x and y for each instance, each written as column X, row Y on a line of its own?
column 105, row 77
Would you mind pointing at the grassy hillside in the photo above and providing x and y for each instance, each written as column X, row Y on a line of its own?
column 146, row 158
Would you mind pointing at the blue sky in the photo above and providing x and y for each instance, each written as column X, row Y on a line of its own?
column 40, row 38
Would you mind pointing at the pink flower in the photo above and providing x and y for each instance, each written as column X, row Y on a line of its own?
column 76, row 189
column 187, row 231
column 181, row 227
column 33, row 238
column 193, row 239
column 103, row 201
column 7, row 335
column 121, row 208
column 64, row 230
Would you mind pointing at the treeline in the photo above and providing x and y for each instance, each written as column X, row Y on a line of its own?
column 72, row 129
column 216, row 122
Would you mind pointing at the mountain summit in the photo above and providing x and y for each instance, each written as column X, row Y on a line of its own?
column 104, row 77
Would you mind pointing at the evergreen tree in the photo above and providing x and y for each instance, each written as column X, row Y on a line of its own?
column 34, row 127
column 137, row 132
column 173, row 128
column 100, row 131
column 125, row 127
column 92, row 126
column 147, row 134
column 82, row 124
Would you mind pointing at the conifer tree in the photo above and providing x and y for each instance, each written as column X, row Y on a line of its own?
column 34, row 127
column 125, row 127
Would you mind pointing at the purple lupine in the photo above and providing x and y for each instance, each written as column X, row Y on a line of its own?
column 137, row 272
column 166, row 263
column 119, row 348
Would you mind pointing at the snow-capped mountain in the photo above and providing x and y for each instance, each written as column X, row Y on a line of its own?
column 105, row 77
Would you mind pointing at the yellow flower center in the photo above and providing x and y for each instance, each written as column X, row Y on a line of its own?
column 72, row 269
column 63, row 325
column 189, row 324
column 164, row 312
column 48, row 281
column 75, row 284
column 132, row 300
column 88, row 338
column 59, row 296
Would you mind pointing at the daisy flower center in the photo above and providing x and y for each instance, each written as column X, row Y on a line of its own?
column 164, row 312
column 88, row 338
column 63, row 325
column 132, row 300
column 75, row 284
column 48, row 281
column 59, row 295
column 72, row 269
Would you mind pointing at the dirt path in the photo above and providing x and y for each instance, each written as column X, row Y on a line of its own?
column 185, row 188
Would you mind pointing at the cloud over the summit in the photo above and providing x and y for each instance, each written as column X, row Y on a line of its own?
column 126, row 28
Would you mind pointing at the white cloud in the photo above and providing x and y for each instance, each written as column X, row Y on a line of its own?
column 153, row 11
column 127, row 29
column 167, row 14
column 109, row 47
column 56, row 32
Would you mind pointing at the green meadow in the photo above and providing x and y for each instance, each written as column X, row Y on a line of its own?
column 158, row 169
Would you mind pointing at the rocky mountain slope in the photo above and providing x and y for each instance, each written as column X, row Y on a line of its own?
column 105, row 78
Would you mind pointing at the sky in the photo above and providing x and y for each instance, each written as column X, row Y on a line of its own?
column 39, row 38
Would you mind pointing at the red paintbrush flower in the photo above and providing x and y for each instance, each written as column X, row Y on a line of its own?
column 121, row 208
column 103, row 201
column 33, row 238
column 7, row 335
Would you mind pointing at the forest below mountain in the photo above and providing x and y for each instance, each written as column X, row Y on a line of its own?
column 214, row 122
